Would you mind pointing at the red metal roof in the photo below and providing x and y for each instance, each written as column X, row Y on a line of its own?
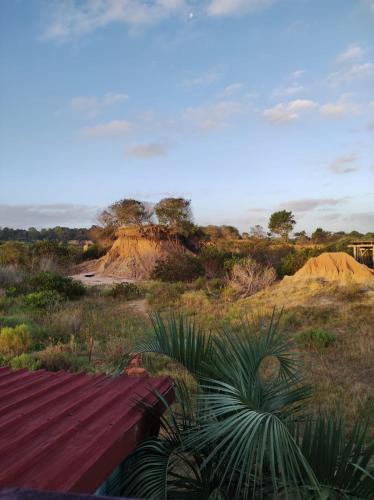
column 66, row 432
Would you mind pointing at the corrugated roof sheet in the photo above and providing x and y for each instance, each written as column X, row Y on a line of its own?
column 66, row 432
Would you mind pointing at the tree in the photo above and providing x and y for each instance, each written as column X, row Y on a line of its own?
column 257, row 232
column 320, row 235
column 302, row 237
column 126, row 211
column 282, row 223
column 174, row 213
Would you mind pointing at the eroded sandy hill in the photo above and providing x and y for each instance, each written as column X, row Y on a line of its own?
column 134, row 254
column 334, row 266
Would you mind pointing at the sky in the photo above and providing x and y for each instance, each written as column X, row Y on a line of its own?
column 243, row 106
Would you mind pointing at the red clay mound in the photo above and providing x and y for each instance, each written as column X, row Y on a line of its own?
column 335, row 266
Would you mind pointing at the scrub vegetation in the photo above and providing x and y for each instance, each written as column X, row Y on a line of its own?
column 263, row 368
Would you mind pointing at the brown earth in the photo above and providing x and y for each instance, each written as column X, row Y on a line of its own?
column 133, row 255
column 334, row 266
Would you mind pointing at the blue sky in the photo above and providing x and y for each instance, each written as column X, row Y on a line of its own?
column 243, row 106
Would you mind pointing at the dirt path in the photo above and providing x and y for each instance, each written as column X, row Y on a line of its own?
column 96, row 279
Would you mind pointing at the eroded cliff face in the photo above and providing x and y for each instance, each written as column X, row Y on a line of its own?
column 134, row 253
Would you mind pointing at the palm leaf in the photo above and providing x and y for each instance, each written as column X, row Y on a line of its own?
column 341, row 463
column 183, row 341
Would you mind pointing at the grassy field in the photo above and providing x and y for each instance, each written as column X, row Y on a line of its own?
column 332, row 329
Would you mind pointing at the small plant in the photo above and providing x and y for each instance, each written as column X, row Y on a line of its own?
column 162, row 295
column 248, row 277
column 14, row 341
column 127, row 291
column 178, row 268
column 46, row 299
column 59, row 357
column 25, row 360
column 65, row 286
column 317, row 339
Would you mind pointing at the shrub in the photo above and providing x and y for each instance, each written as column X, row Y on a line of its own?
column 317, row 339
column 10, row 275
column 162, row 295
column 13, row 253
column 46, row 299
column 25, row 360
column 14, row 341
column 127, row 291
column 174, row 268
column 58, row 357
column 213, row 261
column 295, row 260
column 248, row 277
column 94, row 251
column 195, row 301
column 65, row 286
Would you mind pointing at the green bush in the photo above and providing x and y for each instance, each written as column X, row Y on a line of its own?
column 127, row 291
column 46, row 299
column 94, row 251
column 25, row 360
column 178, row 268
column 65, row 286
column 14, row 341
column 162, row 295
column 295, row 260
column 317, row 339
column 58, row 357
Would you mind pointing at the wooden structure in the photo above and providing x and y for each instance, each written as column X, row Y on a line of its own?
column 363, row 252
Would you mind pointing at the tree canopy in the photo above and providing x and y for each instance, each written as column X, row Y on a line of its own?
column 174, row 212
column 126, row 211
column 282, row 223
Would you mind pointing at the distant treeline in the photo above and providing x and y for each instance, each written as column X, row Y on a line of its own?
column 53, row 234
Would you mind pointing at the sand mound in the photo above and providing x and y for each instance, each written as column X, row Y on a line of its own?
column 134, row 254
column 334, row 266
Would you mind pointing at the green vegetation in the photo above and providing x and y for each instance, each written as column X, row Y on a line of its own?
column 14, row 341
column 282, row 223
column 317, row 339
column 244, row 429
column 219, row 287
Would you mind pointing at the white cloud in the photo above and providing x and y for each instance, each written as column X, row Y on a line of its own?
column 344, row 164
column 308, row 204
column 354, row 72
column 296, row 74
column 69, row 18
column 146, row 150
column 215, row 115
column 211, row 76
column 231, row 89
column 290, row 111
column 48, row 215
column 92, row 105
column 353, row 52
column 371, row 104
column 232, row 7
column 294, row 88
column 115, row 128
column 343, row 106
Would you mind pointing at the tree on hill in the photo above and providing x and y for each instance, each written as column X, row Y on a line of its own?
column 282, row 223
column 174, row 213
column 320, row 235
column 126, row 211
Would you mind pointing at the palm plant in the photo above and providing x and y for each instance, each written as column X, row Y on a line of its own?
column 242, row 434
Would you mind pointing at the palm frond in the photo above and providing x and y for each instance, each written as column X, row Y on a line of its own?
column 343, row 464
column 250, row 447
column 182, row 340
